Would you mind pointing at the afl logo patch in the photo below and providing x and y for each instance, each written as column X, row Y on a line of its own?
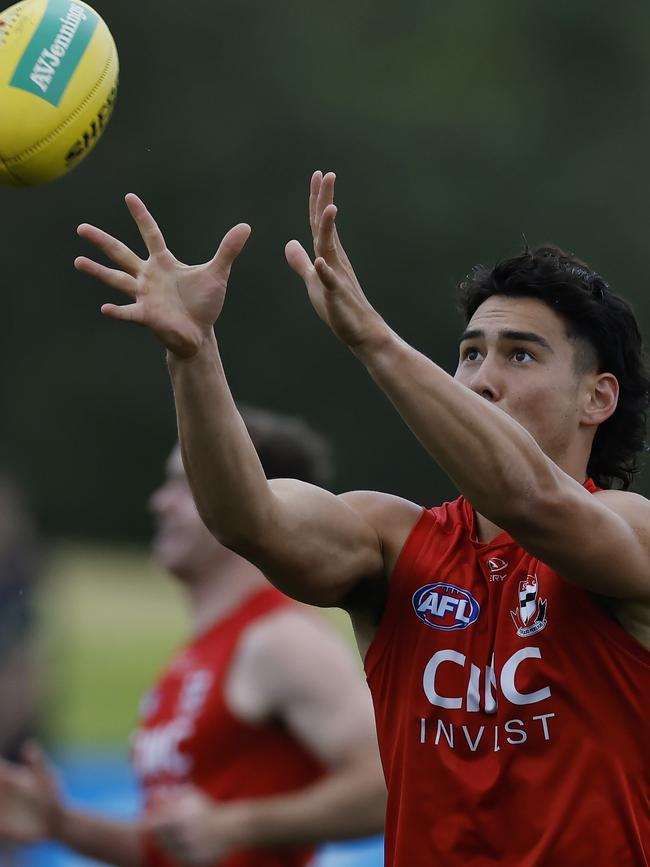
column 445, row 606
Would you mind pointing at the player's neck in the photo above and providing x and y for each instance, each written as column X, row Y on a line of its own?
column 216, row 593
column 487, row 530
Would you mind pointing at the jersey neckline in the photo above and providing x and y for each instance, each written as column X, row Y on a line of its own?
column 503, row 538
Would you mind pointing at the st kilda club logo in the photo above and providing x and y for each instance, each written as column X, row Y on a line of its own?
column 445, row 606
column 530, row 616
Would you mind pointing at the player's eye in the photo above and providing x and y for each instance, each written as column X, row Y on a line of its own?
column 521, row 355
column 470, row 353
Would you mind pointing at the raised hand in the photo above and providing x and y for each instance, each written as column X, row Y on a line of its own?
column 179, row 303
column 29, row 799
column 332, row 285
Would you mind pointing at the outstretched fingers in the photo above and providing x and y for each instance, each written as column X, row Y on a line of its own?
column 114, row 249
column 230, row 247
column 326, row 240
column 299, row 260
column 314, row 189
column 312, row 274
column 325, row 196
column 123, row 312
column 110, row 276
column 329, row 244
column 322, row 218
column 326, row 274
column 147, row 226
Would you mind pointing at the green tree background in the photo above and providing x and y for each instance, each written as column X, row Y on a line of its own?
column 455, row 129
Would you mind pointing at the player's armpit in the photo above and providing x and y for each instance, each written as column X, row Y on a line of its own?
column 391, row 517
column 317, row 547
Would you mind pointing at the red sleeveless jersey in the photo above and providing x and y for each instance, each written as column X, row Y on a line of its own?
column 187, row 734
column 513, row 712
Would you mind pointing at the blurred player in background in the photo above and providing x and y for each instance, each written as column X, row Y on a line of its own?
column 19, row 670
column 257, row 742
column 508, row 633
column 19, row 566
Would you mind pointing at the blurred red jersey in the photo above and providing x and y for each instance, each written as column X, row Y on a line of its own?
column 187, row 734
column 513, row 711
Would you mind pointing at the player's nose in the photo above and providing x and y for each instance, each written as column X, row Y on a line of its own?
column 486, row 381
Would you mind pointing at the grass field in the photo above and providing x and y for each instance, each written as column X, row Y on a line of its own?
column 109, row 619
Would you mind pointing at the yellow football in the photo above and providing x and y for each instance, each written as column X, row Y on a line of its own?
column 58, row 82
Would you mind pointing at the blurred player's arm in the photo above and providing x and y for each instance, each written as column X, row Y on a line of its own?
column 296, row 670
column 601, row 543
column 312, row 544
column 31, row 810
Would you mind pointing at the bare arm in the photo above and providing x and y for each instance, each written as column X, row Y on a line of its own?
column 330, row 713
column 314, row 545
column 601, row 543
column 598, row 542
column 109, row 841
column 31, row 810
column 310, row 543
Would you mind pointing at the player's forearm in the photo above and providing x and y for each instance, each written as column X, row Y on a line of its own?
column 218, row 454
column 349, row 803
column 112, row 842
column 491, row 458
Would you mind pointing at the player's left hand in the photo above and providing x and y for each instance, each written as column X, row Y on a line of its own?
column 194, row 829
column 332, row 285
column 179, row 303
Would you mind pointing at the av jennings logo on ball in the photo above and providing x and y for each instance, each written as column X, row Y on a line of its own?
column 445, row 606
column 55, row 50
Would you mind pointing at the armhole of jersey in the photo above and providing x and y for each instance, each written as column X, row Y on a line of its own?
column 407, row 556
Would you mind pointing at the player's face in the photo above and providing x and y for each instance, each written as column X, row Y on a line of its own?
column 182, row 544
column 516, row 353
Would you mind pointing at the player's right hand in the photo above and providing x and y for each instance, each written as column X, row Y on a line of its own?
column 29, row 798
column 332, row 285
column 179, row 303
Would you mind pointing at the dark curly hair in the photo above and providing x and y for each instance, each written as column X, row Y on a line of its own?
column 607, row 335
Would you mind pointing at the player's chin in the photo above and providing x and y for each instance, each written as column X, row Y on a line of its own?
column 165, row 552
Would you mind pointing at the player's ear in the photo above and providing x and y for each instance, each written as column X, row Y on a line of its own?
column 601, row 399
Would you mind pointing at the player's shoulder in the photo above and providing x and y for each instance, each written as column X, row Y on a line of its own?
column 628, row 504
column 280, row 653
column 626, row 498
column 290, row 629
column 389, row 515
